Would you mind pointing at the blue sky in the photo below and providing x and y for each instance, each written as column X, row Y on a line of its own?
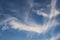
column 29, row 19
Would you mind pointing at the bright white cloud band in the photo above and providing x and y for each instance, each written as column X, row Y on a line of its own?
column 34, row 27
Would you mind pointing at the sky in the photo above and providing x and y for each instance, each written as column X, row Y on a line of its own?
column 29, row 19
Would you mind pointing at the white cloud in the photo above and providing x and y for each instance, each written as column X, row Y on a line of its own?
column 55, row 37
column 30, row 2
column 17, row 24
column 53, row 4
column 5, row 28
column 20, row 26
column 54, row 12
column 39, row 12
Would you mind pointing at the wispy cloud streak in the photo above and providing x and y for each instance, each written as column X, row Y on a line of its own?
column 53, row 4
column 16, row 24
column 34, row 27
column 55, row 37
